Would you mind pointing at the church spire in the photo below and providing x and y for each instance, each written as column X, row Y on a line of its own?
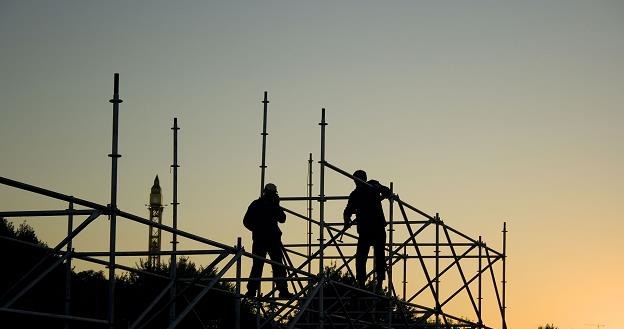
column 156, row 194
column 155, row 211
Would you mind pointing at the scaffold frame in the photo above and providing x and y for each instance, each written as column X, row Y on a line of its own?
column 319, row 300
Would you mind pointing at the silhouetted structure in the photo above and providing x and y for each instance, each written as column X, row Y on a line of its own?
column 416, row 240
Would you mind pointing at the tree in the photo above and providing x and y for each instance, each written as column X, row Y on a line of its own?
column 548, row 326
column 22, row 249
column 345, row 304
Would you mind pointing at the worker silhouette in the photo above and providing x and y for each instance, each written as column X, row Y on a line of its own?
column 365, row 203
column 261, row 219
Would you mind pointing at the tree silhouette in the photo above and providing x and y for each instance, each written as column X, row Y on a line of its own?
column 548, row 326
column 89, row 297
column 344, row 305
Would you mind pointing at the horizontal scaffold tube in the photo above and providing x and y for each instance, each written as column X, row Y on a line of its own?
column 147, row 253
column 46, row 213
column 52, row 315
column 106, row 210
column 314, row 198
column 353, row 244
column 52, row 194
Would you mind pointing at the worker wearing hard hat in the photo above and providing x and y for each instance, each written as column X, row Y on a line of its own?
column 261, row 219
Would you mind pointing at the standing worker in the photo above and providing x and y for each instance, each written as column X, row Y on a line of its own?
column 261, row 219
column 365, row 203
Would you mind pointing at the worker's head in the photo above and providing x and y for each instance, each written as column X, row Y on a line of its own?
column 361, row 174
column 269, row 189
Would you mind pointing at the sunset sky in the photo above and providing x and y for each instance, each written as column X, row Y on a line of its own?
column 483, row 111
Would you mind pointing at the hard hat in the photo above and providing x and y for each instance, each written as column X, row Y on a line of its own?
column 361, row 174
column 270, row 188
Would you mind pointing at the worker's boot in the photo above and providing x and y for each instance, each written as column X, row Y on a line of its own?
column 379, row 286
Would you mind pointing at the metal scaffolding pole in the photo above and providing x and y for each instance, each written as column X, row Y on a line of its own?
column 173, row 266
column 479, row 283
column 55, row 195
column 437, row 266
column 53, row 316
column 390, row 253
column 46, row 213
column 68, row 264
column 405, row 273
column 237, row 305
column 322, row 218
column 264, row 135
column 504, row 273
column 310, row 210
column 113, row 203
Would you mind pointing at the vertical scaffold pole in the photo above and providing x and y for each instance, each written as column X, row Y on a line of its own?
column 479, row 281
column 237, row 305
column 391, row 253
column 68, row 264
column 404, row 273
column 263, row 166
column 174, row 243
column 437, row 265
column 113, row 203
column 264, row 135
column 504, row 271
column 310, row 211
column 322, row 217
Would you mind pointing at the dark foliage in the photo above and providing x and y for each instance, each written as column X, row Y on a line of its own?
column 548, row 326
column 344, row 305
column 21, row 250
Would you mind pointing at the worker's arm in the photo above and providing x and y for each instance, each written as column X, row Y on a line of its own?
column 280, row 215
column 349, row 209
column 277, row 211
column 249, row 219
column 384, row 191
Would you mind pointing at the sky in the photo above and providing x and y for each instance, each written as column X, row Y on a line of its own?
column 484, row 111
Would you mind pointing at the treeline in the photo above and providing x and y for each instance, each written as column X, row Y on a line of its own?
column 21, row 250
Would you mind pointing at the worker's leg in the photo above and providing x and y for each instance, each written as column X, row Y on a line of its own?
column 258, row 248
column 380, row 259
column 275, row 252
column 361, row 253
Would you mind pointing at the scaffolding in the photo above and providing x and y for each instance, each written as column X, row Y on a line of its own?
column 443, row 265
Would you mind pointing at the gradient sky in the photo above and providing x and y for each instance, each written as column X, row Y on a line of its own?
column 483, row 111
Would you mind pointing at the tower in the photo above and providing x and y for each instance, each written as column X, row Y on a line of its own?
column 155, row 215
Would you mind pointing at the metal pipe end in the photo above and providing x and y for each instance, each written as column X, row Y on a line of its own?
column 116, row 83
